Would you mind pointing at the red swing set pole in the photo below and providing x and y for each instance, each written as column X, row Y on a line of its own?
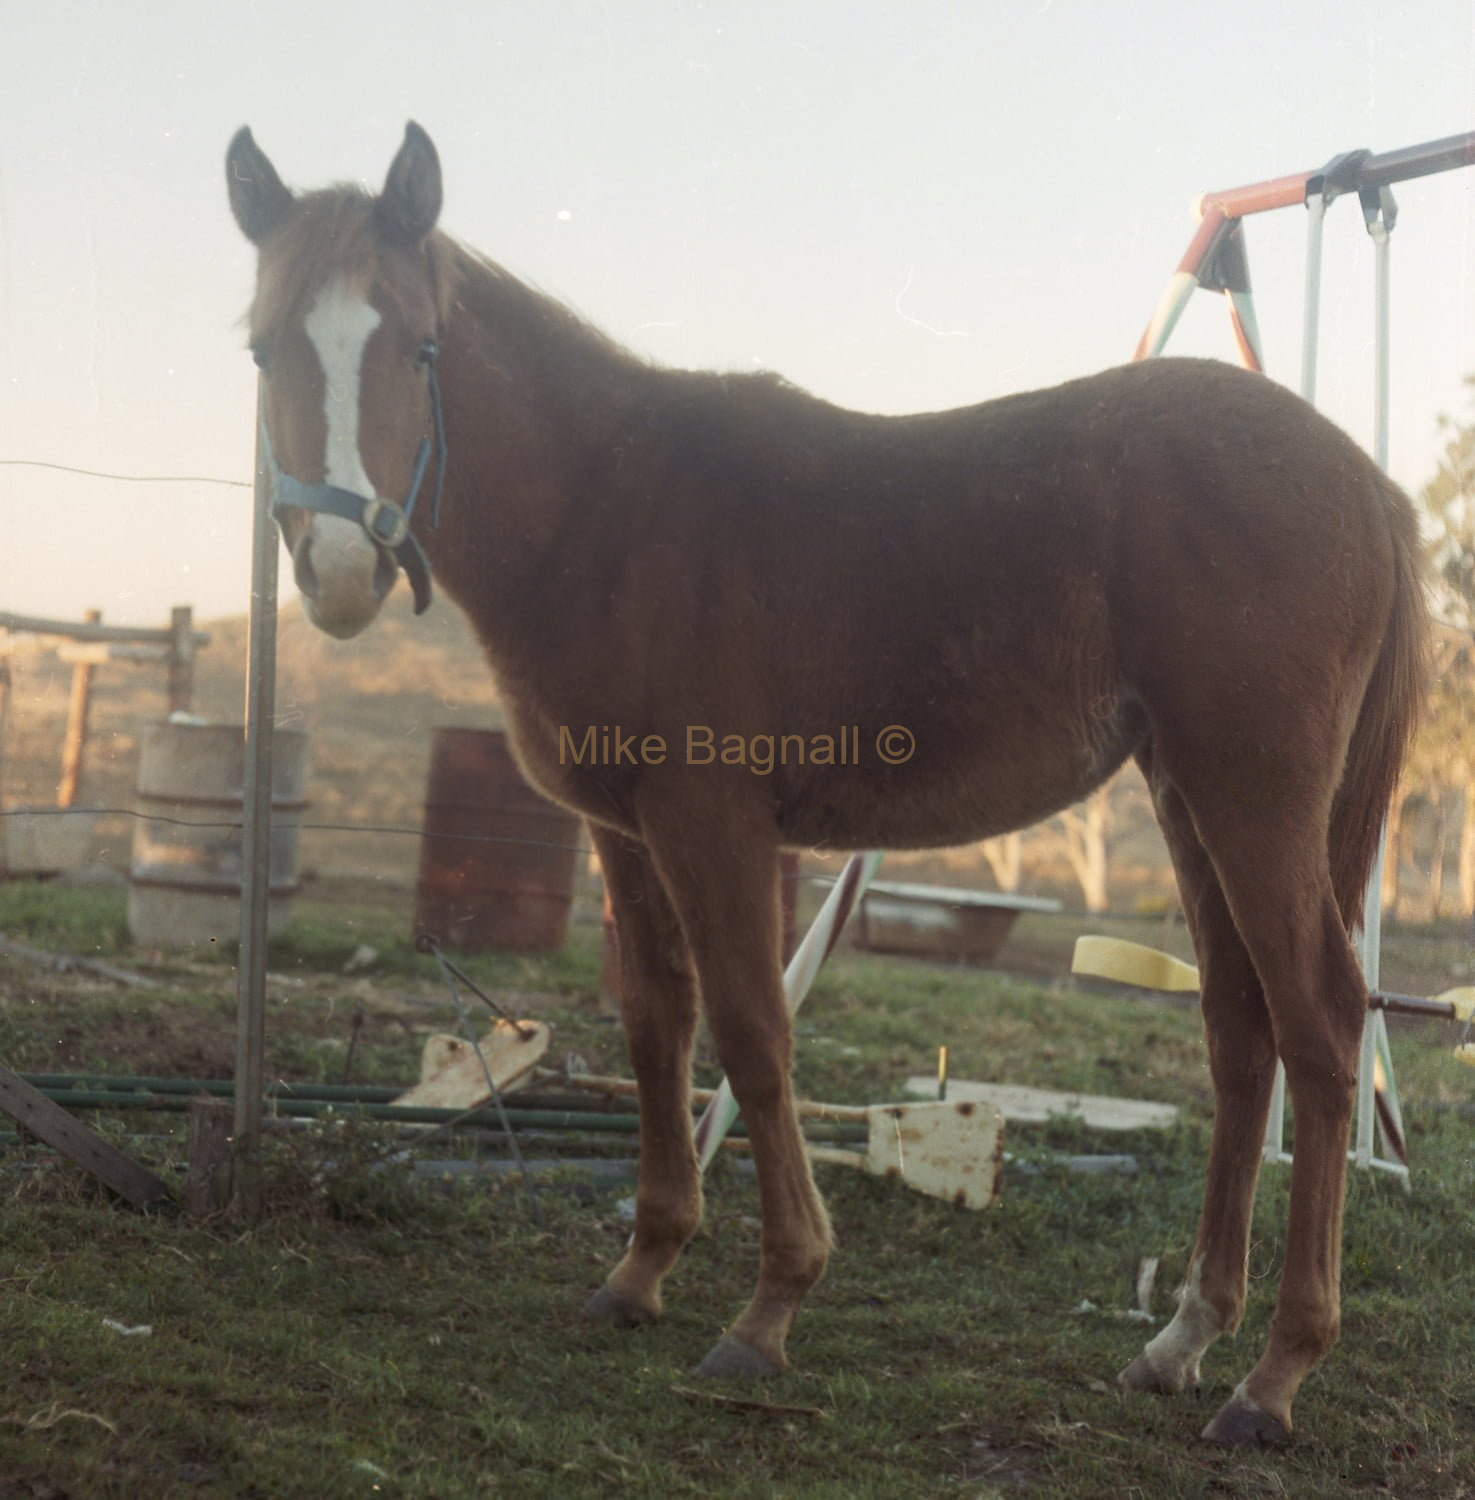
column 1215, row 259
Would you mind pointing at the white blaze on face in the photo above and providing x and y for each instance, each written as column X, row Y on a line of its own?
column 339, row 326
column 343, row 557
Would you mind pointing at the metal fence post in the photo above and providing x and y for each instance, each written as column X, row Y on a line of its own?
column 261, row 665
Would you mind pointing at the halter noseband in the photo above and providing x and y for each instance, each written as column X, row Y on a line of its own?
column 386, row 524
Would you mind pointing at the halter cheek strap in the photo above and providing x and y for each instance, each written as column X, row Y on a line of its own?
column 386, row 524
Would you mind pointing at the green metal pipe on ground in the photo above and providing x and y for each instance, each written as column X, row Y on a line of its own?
column 223, row 1088
column 623, row 1121
column 280, row 1089
column 352, row 1093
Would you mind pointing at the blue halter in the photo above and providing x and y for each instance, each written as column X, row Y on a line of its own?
column 386, row 524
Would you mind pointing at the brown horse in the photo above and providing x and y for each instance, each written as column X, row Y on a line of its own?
column 745, row 592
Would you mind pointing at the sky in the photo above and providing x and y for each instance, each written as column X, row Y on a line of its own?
column 900, row 207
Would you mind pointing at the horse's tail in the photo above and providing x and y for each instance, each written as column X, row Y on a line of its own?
column 1386, row 720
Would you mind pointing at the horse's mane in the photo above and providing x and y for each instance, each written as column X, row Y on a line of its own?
column 334, row 231
column 330, row 232
column 544, row 321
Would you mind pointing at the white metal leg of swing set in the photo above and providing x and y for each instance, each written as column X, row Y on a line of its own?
column 1375, row 1065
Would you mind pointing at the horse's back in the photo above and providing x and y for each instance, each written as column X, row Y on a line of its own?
column 1181, row 552
column 1033, row 588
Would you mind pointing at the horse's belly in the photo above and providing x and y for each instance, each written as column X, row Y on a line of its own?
column 925, row 818
column 979, row 789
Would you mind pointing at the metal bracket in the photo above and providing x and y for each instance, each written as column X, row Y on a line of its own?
column 385, row 522
column 1228, row 268
column 1379, row 209
column 1340, row 175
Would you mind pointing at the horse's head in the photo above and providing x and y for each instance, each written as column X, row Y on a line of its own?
column 348, row 307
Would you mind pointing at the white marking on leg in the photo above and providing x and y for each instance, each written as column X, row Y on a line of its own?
column 1175, row 1352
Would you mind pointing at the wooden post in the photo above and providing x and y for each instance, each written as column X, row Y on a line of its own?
column 74, row 748
column 181, row 659
column 207, row 1182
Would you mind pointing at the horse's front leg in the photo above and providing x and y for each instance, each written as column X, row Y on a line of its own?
column 724, row 885
column 658, row 1007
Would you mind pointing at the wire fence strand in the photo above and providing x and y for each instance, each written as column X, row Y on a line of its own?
column 237, row 824
column 406, row 831
column 41, row 463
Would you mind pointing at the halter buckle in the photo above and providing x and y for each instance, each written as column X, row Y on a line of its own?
column 385, row 522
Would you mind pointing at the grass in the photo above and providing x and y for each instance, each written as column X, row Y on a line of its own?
column 377, row 1335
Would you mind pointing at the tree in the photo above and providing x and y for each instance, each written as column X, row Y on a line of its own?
column 1082, row 830
column 1440, row 776
column 1005, row 856
column 1449, row 502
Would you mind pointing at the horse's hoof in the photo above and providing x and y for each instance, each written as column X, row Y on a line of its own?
column 1239, row 1423
column 1143, row 1375
column 606, row 1306
column 731, row 1359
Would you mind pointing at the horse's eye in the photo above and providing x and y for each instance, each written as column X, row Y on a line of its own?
column 259, row 355
column 425, row 354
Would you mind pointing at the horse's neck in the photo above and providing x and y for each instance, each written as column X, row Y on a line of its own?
column 534, row 404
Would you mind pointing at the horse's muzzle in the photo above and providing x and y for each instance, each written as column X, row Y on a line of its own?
column 342, row 575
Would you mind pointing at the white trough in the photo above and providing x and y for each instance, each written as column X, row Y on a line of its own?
column 45, row 841
column 937, row 921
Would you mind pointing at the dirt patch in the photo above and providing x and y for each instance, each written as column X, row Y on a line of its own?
column 178, row 1041
column 59, row 1023
column 71, row 1024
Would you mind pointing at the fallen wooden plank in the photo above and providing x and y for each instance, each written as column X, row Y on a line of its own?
column 952, row 1150
column 1027, row 1106
column 65, row 963
column 50, row 1123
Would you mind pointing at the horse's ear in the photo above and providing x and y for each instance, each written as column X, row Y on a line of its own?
column 410, row 203
column 257, row 197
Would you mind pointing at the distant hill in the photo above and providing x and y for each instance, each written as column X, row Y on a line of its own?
column 369, row 705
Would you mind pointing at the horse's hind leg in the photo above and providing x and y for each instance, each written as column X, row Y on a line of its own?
column 724, row 884
column 1241, row 1051
column 1318, row 1002
column 658, row 1007
column 1270, row 854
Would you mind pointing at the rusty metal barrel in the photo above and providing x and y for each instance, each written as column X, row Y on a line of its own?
column 184, row 880
column 497, row 860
